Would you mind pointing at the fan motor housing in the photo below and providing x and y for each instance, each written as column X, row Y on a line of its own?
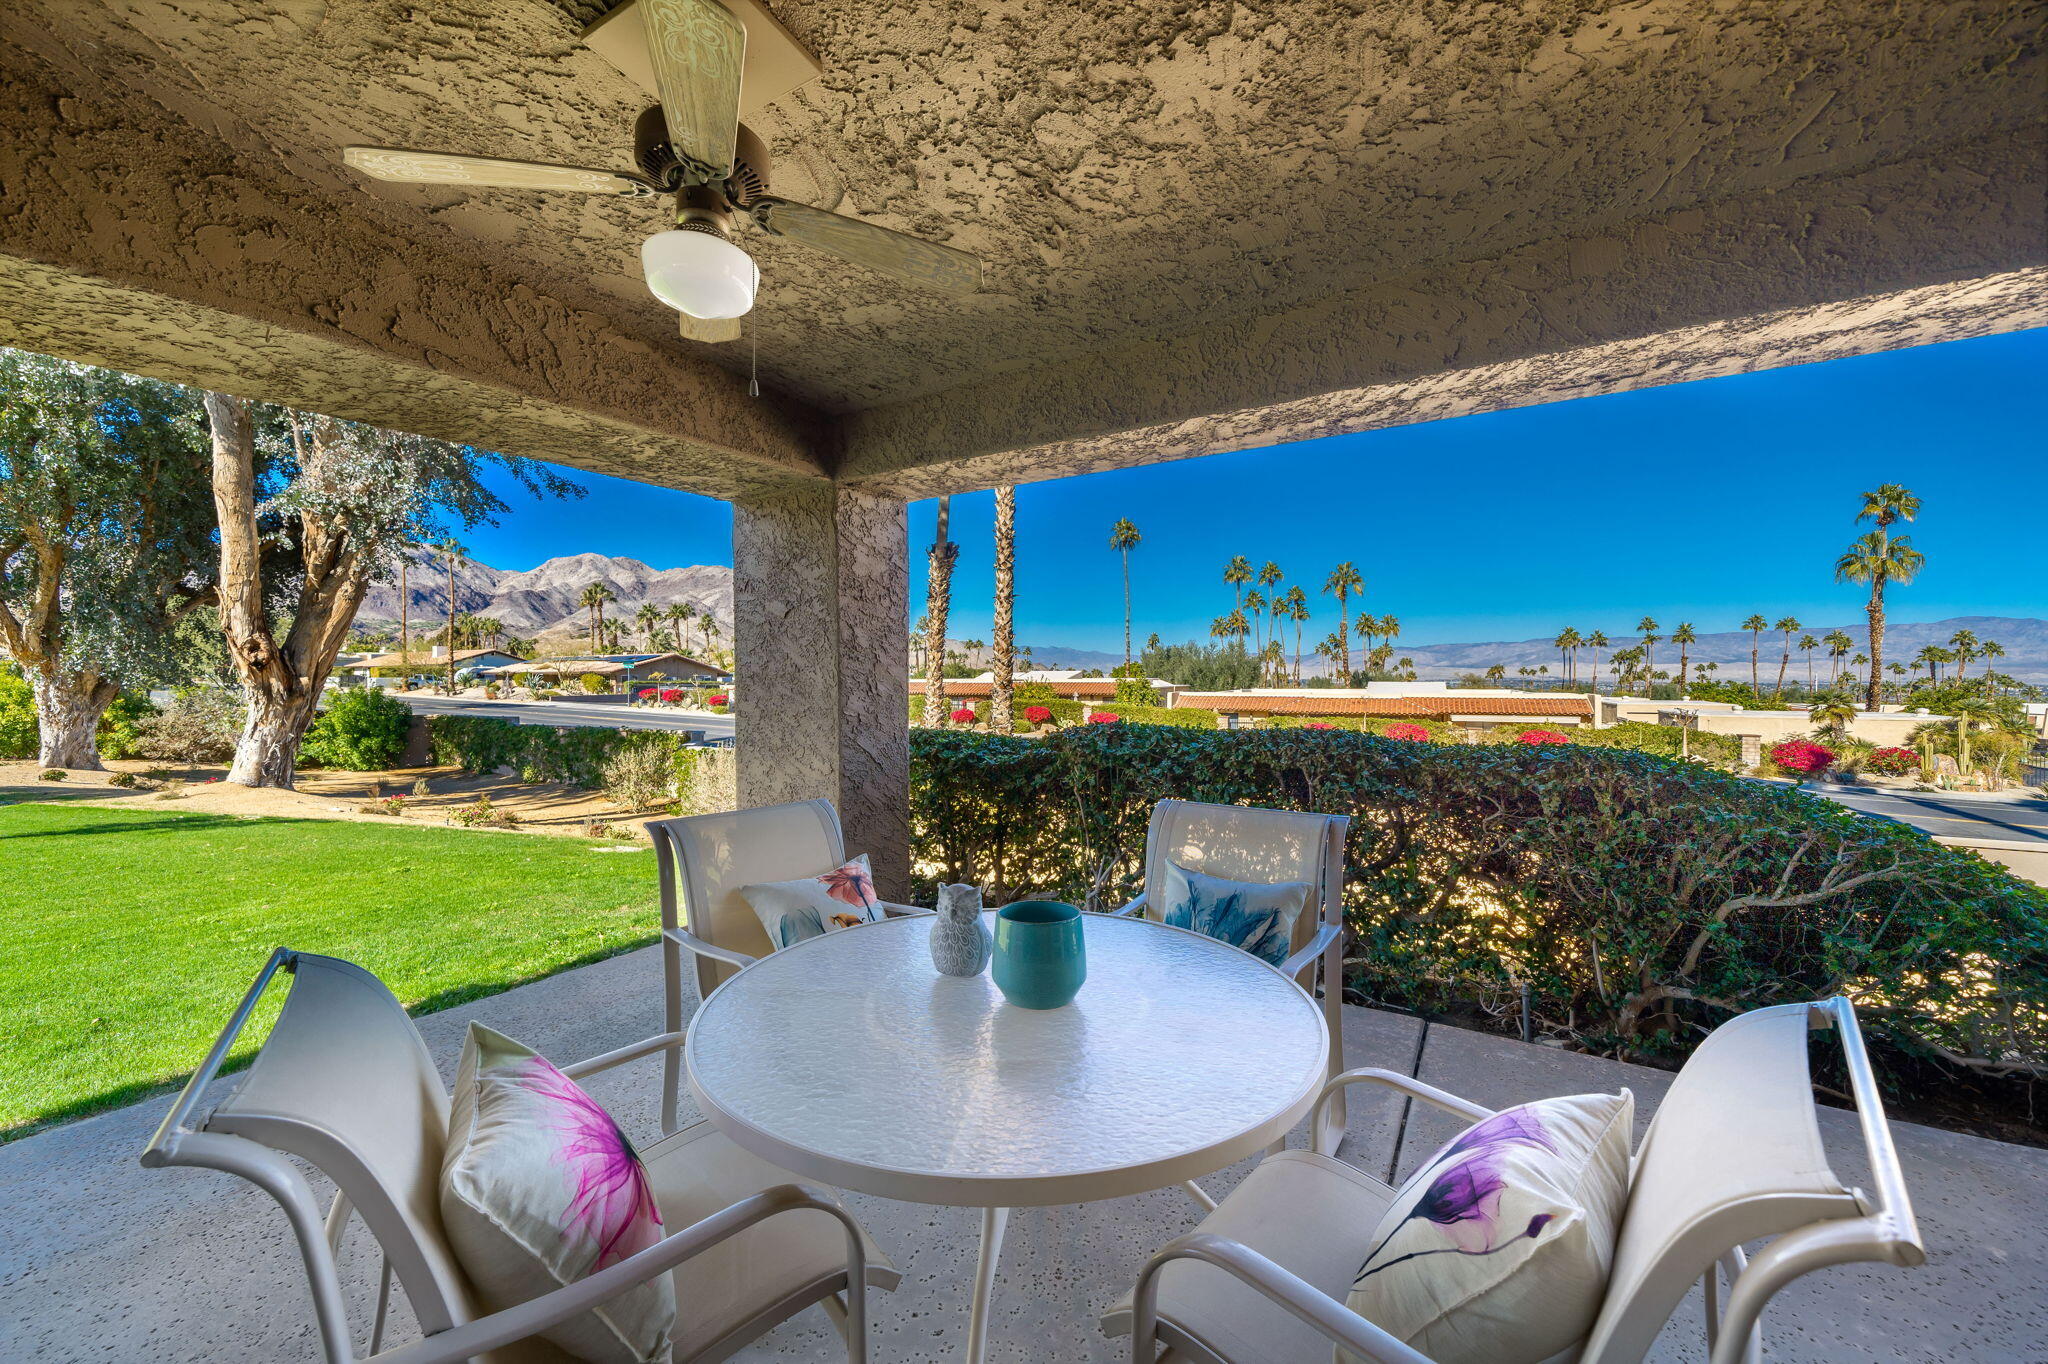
column 658, row 161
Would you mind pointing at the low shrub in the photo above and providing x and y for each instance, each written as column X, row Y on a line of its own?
column 481, row 814
column 1103, row 717
column 200, row 725
column 125, row 780
column 1544, row 736
column 1892, row 762
column 120, row 734
column 593, row 684
column 672, row 696
column 386, row 805
column 646, row 694
column 1171, row 717
column 1038, row 715
column 52, row 774
column 1414, row 734
column 963, row 715
column 1640, row 900
column 541, row 753
column 640, row 776
column 1664, row 741
column 362, row 730
column 1801, row 757
column 18, row 732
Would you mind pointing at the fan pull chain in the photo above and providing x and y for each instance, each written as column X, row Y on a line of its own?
column 754, row 360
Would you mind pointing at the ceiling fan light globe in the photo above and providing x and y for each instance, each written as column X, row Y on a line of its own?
column 700, row 273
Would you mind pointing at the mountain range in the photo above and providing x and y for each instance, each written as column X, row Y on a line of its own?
column 545, row 602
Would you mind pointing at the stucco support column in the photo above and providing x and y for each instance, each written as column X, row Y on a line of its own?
column 821, row 619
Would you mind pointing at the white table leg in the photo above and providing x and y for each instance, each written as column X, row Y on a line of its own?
column 993, row 1221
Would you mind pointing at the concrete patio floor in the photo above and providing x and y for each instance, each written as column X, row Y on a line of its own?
column 103, row 1260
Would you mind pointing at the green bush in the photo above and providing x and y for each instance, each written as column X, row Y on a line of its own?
column 17, row 715
column 539, row 753
column 120, row 733
column 1663, row 741
column 1640, row 900
column 593, row 684
column 1165, row 716
column 362, row 730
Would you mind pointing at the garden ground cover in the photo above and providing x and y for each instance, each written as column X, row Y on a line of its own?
column 127, row 935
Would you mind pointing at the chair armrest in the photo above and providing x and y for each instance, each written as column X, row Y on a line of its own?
column 1135, row 906
column 895, row 911
column 606, row 1060
column 1301, row 1299
column 1315, row 947
column 1393, row 1079
column 685, row 938
column 499, row 1329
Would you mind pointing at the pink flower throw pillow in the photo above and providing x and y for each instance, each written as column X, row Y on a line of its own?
column 1497, row 1249
column 540, row 1188
column 791, row 911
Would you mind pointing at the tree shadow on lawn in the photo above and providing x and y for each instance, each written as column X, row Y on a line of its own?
column 136, row 1091
column 50, row 793
column 158, row 822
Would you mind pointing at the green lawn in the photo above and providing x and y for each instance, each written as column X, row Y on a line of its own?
column 126, row 936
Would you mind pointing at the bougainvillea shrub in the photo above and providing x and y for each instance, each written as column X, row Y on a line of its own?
column 1103, row 717
column 1037, row 715
column 646, row 694
column 1412, row 734
column 1643, row 900
column 1319, row 724
column 964, row 715
column 1801, row 756
column 672, row 695
column 1893, row 762
column 1544, row 736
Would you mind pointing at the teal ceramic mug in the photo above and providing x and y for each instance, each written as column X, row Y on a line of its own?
column 1040, row 957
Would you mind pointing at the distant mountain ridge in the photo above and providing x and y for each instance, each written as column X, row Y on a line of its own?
column 546, row 600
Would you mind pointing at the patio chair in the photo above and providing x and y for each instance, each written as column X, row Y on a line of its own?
column 344, row 1083
column 1246, row 843
column 1734, row 1155
column 704, row 860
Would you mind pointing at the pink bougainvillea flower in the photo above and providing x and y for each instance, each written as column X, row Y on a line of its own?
column 850, row 885
column 1037, row 715
column 613, row 1203
column 647, row 693
column 1103, row 717
column 964, row 716
column 1317, row 724
column 718, row 698
column 1414, row 734
column 1545, row 736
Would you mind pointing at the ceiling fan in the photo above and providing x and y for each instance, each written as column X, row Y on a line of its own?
column 692, row 145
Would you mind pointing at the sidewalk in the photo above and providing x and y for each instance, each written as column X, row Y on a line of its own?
column 105, row 1260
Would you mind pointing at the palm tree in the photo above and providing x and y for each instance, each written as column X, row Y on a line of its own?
column 1236, row 574
column 1684, row 638
column 452, row 552
column 1931, row 657
column 1807, row 644
column 1297, row 611
column 1003, row 685
column 593, row 600
column 1497, row 673
column 1344, row 579
column 1990, row 651
column 648, row 617
column 1756, row 625
column 1839, row 646
column 1252, row 612
column 1785, row 626
column 676, row 614
column 938, row 601
column 1124, row 537
column 1567, row 640
column 1647, row 628
column 1964, row 642
column 1596, row 642
column 1878, row 558
column 1833, row 713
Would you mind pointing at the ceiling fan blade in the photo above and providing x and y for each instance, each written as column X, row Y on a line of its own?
column 698, row 48
column 406, row 166
column 710, row 328
column 907, row 258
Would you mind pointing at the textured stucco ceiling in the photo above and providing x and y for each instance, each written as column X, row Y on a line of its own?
column 1135, row 175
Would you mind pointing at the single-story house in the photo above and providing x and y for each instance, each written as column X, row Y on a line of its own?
column 386, row 669
column 1465, row 707
column 669, row 667
column 1068, row 686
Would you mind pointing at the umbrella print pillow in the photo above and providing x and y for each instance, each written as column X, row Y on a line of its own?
column 1497, row 1249
column 791, row 911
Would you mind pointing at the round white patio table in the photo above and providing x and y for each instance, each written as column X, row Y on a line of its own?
column 847, row 1058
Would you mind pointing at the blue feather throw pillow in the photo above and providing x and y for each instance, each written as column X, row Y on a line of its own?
column 1252, row 915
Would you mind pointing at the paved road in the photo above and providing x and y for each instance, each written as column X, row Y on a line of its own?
column 1953, row 817
column 572, row 714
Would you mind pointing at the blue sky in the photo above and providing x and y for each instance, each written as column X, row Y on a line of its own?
column 1703, row 501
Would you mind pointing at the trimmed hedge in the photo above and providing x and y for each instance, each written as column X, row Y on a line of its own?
column 541, row 753
column 1641, row 900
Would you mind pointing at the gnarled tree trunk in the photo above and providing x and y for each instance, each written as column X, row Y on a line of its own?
column 268, row 752
column 68, row 710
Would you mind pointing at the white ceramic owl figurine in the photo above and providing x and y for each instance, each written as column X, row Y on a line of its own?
column 961, row 942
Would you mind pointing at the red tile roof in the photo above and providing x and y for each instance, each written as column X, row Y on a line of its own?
column 1072, row 689
column 1422, row 707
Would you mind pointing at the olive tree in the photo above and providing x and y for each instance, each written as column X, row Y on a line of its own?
column 312, row 510
column 105, row 538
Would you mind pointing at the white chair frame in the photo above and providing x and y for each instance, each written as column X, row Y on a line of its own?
column 1324, row 944
column 1884, row 1231
column 688, row 904
column 183, row 1139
